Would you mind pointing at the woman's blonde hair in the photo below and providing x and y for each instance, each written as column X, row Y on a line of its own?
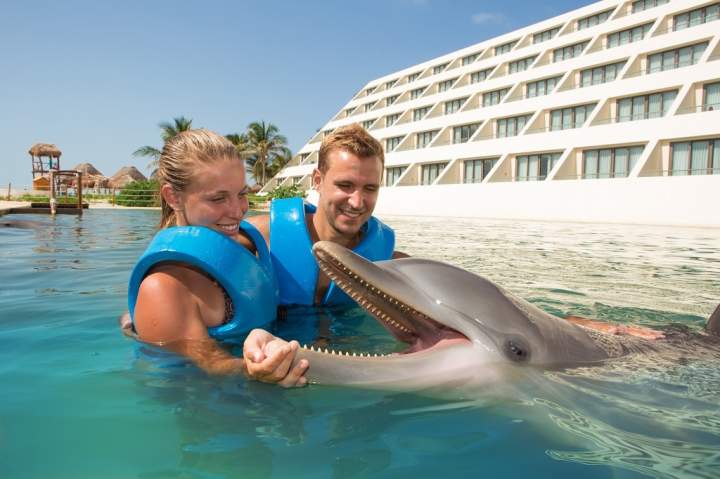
column 179, row 157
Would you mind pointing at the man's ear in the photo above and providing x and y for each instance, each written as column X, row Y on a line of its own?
column 171, row 197
column 317, row 178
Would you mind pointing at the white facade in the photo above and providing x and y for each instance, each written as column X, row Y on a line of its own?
column 626, row 129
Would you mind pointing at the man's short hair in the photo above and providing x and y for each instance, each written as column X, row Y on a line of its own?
column 351, row 138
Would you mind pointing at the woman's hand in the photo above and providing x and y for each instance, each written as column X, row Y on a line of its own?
column 269, row 359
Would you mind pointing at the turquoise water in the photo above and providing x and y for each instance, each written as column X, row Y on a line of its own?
column 79, row 400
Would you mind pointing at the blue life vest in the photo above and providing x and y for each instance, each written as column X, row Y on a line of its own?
column 248, row 280
column 291, row 252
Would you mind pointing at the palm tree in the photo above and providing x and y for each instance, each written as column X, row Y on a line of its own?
column 278, row 162
column 169, row 130
column 266, row 142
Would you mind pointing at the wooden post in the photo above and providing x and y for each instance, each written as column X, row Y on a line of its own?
column 112, row 197
column 9, row 190
column 53, row 199
column 79, row 193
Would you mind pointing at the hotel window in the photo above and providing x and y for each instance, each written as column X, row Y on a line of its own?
column 505, row 47
column 679, row 57
column 392, row 174
column 630, row 35
column 413, row 76
column 467, row 60
column 546, row 35
column 416, row 93
column 610, row 162
column 695, row 157
column 303, row 157
column 453, row 106
column 535, row 167
column 494, row 97
column 423, row 139
column 477, row 170
column 462, row 134
column 391, row 99
column 369, row 91
column 477, row 77
column 644, row 106
column 570, row 51
column 568, row 118
column 446, row 85
column 439, row 68
column 368, row 123
column 392, row 143
column 419, row 113
column 593, row 20
column 368, row 106
column 641, row 5
column 696, row 17
column 348, row 112
column 541, row 87
column 521, row 65
column 390, row 119
column 601, row 74
column 511, row 126
column 711, row 98
column 327, row 133
column 390, row 84
column 429, row 173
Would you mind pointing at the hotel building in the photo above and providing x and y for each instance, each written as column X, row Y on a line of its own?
column 608, row 113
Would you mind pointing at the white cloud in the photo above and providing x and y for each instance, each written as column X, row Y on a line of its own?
column 484, row 18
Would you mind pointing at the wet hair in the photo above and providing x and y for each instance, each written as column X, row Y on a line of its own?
column 180, row 157
column 351, row 138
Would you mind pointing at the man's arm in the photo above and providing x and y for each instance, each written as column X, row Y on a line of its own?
column 617, row 329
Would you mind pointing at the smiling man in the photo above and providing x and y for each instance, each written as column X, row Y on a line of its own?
column 347, row 179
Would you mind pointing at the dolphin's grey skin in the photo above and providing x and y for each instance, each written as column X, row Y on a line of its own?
column 461, row 328
column 22, row 224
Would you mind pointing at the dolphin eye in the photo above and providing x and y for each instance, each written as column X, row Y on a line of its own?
column 516, row 350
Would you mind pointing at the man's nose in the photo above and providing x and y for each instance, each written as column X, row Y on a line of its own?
column 356, row 199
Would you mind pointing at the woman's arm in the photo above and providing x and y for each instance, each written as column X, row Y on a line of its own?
column 168, row 314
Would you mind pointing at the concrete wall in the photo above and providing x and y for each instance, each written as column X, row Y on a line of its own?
column 687, row 200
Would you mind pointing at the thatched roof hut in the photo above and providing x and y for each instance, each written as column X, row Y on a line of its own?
column 125, row 175
column 91, row 178
column 45, row 149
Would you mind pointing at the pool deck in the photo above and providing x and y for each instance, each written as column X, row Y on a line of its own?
column 20, row 207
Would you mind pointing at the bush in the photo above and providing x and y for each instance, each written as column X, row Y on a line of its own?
column 292, row 191
column 139, row 193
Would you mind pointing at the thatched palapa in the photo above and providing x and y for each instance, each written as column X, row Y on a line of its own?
column 45, row 149
column 91, row 178
column 126, row 174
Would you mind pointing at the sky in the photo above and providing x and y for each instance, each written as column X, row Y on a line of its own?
column 96, row 77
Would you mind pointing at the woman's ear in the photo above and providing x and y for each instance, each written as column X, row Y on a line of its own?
column 171, row 197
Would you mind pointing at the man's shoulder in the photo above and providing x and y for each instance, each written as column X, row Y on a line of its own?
column 261, row 222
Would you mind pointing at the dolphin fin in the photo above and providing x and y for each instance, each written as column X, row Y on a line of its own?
column 713, row 323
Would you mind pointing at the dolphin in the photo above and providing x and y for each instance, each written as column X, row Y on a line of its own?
column 22, row 224
column 460, row 328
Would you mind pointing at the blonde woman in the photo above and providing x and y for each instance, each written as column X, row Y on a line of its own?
column 196, row 282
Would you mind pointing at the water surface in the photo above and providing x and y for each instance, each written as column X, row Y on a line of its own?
column 79, row 400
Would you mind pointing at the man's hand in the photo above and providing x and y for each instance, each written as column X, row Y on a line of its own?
column 269, row 359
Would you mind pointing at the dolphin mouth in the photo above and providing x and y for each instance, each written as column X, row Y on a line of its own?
column 408, row 325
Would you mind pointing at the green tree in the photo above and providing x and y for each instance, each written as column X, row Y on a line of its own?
column 265, row 143
column 278, row 162
column 168, row 130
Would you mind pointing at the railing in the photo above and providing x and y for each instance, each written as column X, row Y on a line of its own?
column 699, row 108
column 69, row 195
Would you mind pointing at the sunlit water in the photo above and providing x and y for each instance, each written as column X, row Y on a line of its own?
column 79, row 400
